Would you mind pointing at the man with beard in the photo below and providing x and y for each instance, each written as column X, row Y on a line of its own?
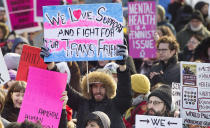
column 194, row 27
column 159, row 102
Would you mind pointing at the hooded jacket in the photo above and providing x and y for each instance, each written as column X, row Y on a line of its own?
column 115, row 103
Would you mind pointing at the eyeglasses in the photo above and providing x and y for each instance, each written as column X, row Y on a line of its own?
column 162, row 50
column 155, row 103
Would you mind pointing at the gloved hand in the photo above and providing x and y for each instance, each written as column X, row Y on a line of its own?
column 122, row 51
column 44, row 53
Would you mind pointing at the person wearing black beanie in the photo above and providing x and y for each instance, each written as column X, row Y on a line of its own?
column 159, row 101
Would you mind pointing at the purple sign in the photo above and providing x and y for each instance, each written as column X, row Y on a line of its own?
column 142, row 26
column 20, row 15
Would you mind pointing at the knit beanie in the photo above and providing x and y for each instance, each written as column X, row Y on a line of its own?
column 104, row 118
column 17, row 41
column 197, row 15
column 164, row 93
column 12, row 60
column 161, row 11
column 112, row 67
column 200, row 5
column 140, row 83
column 12, row 74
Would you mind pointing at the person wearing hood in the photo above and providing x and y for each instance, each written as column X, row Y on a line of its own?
column 140, row 86
column 18, row 45
column 203, row 7
column 100, row 92
column 97, row 119
column 194, row 27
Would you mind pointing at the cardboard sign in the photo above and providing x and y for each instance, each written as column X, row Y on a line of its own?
column 30, row 57
column 143, row 121
column 20, row 16
column 83, row 32
column 176, row 94
column 142, row 26
column 195, row 101
column 42, row 97
column 4, row 74
column 38, row 4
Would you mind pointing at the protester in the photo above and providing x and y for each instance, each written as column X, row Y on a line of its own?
column 12, row 74
column 12, row 60
column 159, row 102
column 202, row 52
column 3, row 121
column 203, row 7
column 3, row 18
column 194, row 27
column 182, row 12
column 167, row 49
column 100, row 94
column 25, row 124
column 13, row 101
column 9, row 43
column 112, row 67
column 18, row 45
column 161, row 19
column 140, row 85
column 97, row 119
column 4, row 31
column 164, row 31
column 188, row 53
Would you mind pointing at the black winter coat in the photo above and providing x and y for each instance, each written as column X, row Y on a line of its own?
column 171, row 72
column 114, row 108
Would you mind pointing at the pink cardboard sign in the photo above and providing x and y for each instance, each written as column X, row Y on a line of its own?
column 38, row 4
column 21, row 16
column 42, row 97
column 142, row 26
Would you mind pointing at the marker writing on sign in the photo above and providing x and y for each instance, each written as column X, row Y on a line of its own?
column 1, row 79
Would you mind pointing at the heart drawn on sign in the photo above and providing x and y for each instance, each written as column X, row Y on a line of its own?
column 77, row 13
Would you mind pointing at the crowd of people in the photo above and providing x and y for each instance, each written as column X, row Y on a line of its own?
column 119, row 90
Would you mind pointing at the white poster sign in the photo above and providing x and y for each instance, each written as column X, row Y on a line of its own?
column 143, row 121
column 4, row 74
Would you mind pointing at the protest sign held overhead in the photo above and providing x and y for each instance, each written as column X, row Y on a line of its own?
column 20, row 15
column 4, row 74
column 143, row 121
column 195, row 100
column 42, row 97
column 142, row 26
column 30, row 57
column 38, row 4
column 83, row 32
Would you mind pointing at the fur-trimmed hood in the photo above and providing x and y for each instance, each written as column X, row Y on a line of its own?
column 102, row 77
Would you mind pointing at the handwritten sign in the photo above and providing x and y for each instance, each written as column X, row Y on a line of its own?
column 4, row 74
column 195, row 101
column 38, row 4
column 83, row 32
column 143, row 121
column 42, row 97
column 176, row 94
column 142, row 26
column 20, row 16
column 30, row 57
